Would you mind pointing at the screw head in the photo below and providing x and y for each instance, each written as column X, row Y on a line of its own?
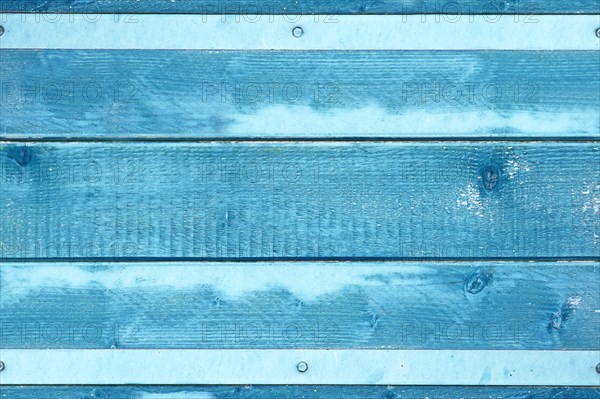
column 1, row 365
column 598, row 33
column 1, row 30
column 297, row 31
column 598, row 368
column 302, row 367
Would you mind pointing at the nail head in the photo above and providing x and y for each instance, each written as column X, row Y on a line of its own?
column 1, row 365
column 302, row 367
column 297, row 31
column 598, row 33
column 1, row 30
column 598, row 368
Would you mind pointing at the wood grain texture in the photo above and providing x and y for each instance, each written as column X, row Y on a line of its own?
column 282, row 305
column 299, row 201
column 299, row 94
column 294, row 392
column 291, row 8
column 247, row 200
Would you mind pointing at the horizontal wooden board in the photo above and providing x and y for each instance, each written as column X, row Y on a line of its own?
column 328, row 200
column 300, row 366
column 263, row 200
column 304, row 8
column 295, row 392
column 256, row 32
column 314, row 305
column 304, row 94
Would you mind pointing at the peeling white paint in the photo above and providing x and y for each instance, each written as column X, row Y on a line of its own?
column 515, row 166
column 591, row 192
column 470, row 198
column 304, row 120
column 574, row 300
column 305, row 281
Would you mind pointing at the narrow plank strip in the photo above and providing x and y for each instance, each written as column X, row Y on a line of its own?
column 303, row 9
column 340, row 200
column 314, row 305
column 296, row 392
column 306, row 367
column 207, row 95
column 349, row 32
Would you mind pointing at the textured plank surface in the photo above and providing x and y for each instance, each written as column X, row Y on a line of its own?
column 300, row 200
column 176, row 94
column 323, row 367
column 420, row 305
column 294, row 392
column 294, row 10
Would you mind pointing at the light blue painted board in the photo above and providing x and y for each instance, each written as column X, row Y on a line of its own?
column 309, row 305
column 295, row 392
column 340, row 200
column 322, row 367
column 292, row 9
column 350, row 33
column 207, row 95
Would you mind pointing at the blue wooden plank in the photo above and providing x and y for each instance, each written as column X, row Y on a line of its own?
column 295, row 392
column 314, row 305
column 208, row 95
column 334, row 200
column 317, row 367
column 306, row 7
column 351, row 32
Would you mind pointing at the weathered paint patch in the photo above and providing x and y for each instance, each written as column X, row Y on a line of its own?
column 230, row 280
column 375, row 120
column 212, row 94
column 423, row 305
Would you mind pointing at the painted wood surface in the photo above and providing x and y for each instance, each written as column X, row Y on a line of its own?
column 359, row 32
column 294, row 9
column 301, row 366
column 477, row 201
column 226, row 95
column 314, row 305
column 294, row 392
column 328, row 200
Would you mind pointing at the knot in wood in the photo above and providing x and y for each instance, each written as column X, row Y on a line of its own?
column 22, row 155
column 476, row 282
column 490, row 176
